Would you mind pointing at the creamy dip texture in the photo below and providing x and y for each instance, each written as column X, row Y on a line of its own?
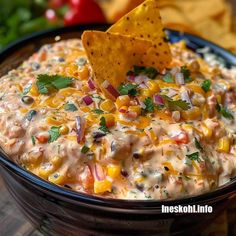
column 166, row 135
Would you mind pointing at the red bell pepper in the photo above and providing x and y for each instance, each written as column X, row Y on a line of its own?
column 83, row 12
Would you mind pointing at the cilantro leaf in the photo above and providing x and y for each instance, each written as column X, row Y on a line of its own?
column 198, row 144
column 128, row 89
column 206, row 85
column 103, row 126
column 150, row 72
column 194, row 156
column 31, row 114
column 175, row 105
column 84, row 149
column 33, row 139
column 46, row 82
column 186, row 72
column 70, row 107
column 148, row 102
column 98, row 111
column 54, row 133
column 224, row 112
column 168, row 78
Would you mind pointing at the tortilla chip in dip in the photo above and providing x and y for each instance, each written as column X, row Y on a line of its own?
column 144, row 22
column 112, row 55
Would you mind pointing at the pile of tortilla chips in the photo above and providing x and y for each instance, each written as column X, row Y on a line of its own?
column 137, row 38
column 210, row 19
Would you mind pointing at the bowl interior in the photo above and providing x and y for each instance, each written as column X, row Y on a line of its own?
column 19, row 51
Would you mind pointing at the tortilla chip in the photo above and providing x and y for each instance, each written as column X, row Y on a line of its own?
column 112, row 56
column 144, row 22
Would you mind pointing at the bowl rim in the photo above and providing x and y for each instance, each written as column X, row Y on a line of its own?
column 95, row 201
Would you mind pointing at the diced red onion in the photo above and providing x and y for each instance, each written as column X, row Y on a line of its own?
column 140, row 79
column 174, row 70
column 159, row 100
column 80, row 128
column 131, row 78
column 91, row 84
column 88, row 100
column 142, row 105
column 185, row 97
column 122, row 110
column 110, row 89
column 99, row 173
column 179, row 79
column 171, row 92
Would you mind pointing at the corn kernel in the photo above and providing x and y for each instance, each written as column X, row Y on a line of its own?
column 102, row 186
column 85, row 88
column 64, row 130
column 83, row 73
column 45, row 170
column 110, row 120
column 207, row 132
column 153, row 86
column 136, row 109
column 23, row 110
column 145, row 93
column 34, row 90
column 191, row 114
column 57, row 178
column 55, row 120
column 56, row 161
column 223, row 145
column 123, row 100
column 113, row 171
column 107, row 105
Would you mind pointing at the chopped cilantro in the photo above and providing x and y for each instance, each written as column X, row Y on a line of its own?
column 175, row 105
column 84, row 149
column 148, row 102
column 194, row 156
column 70, row 107
column 206, row 85
column 168, row 78
column 198, row 144
column 54, row 133
column 186, row 73
column 27, row 89
column 128, row 89
column 103, row 126
column 33, row 140
column 98, row 111
column 31, row 114
column 150, row 72
column 224, row 112
column 46, row 82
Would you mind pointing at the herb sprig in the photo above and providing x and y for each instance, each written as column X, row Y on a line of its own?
column 128, row 89
column 194, row 156
column 224, row 112
column 46, row 82
column 150, row 72
column 54, row 133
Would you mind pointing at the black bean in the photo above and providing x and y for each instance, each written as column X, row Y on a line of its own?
column 140, row 187
column 27, row 100
column 35, row 65
column 136, row 155
column 124, row 173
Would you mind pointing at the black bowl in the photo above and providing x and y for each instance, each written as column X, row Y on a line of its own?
column 59, row 211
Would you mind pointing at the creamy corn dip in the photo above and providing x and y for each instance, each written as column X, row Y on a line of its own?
column 166, row 134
